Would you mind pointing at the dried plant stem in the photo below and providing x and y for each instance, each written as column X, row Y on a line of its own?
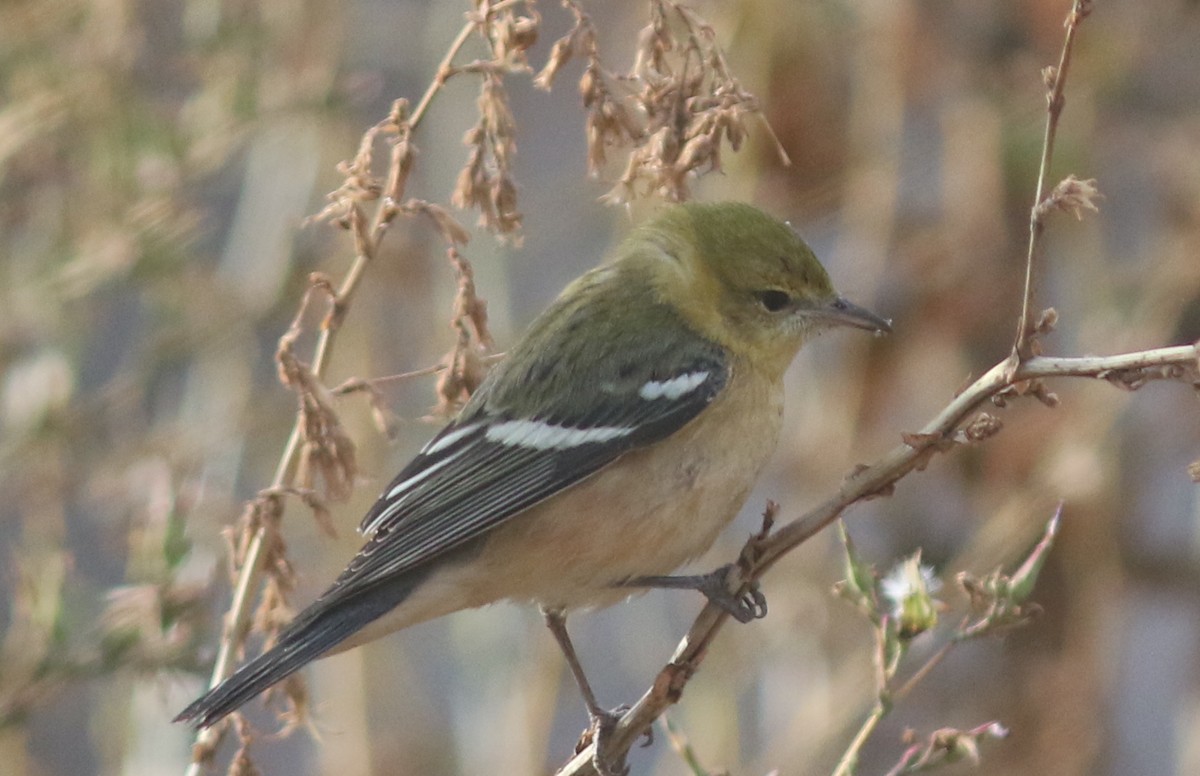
column 849, row 759
column 1056, row 79
column 886, row 697
column 443, row 69
column 846, row 765
column 237, row 619
column 356, row 384
column 1129, row 370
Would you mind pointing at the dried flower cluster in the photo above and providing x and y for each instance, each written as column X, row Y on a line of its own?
column 328, row 449
column 362, row 186
column 466, row 363
column 260, row 523
column 946, row 746
column 257, row 546
column 672, row 111
column 486, row 182
column 1072, row 195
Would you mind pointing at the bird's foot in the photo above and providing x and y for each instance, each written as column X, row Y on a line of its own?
column 750, row 605
column 599, row 734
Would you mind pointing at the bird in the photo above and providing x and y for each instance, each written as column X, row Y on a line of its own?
column 611, row 445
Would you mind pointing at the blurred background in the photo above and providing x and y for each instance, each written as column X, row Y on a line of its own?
column 157, row 162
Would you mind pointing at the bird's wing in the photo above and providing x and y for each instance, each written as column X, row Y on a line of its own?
column 491, row 464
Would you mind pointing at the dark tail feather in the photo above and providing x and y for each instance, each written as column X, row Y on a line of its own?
column 315, row 631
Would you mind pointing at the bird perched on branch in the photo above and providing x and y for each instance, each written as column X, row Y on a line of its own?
column 612, row 445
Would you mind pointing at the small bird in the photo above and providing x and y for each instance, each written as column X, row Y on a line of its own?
column 611, row 446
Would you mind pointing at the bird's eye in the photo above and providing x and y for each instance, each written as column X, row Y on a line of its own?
column 773, row 300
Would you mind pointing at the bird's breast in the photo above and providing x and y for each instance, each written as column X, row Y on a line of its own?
column 651, row 511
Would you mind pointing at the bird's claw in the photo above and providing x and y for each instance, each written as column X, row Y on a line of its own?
column 743, row 607
column 750, row 605
column 599, row 734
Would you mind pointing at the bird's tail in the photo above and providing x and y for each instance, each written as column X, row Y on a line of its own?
column 315, row 631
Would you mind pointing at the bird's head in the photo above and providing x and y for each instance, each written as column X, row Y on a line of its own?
column 746, row 279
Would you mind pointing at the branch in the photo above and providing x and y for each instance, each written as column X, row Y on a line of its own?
column 944, row 432
column 1056, row 81
column 367, row 240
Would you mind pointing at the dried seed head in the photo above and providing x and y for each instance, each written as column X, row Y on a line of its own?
column 668, row 114
column 485, row 182
column 1073, row 196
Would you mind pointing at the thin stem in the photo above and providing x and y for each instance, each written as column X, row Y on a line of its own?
column 1055, row 100
column 355, row 384
column 238, row 617
column 1130, row 370
column 849, row 761
column 886, row 662
column 442, row 74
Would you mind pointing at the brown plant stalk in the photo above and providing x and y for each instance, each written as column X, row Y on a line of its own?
column 367, row 240
column 1056, row 80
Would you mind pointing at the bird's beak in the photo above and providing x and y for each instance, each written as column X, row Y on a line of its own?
column 839, row 312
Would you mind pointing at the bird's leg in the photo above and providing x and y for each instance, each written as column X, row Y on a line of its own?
column 752, row 605
column 602, row 721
